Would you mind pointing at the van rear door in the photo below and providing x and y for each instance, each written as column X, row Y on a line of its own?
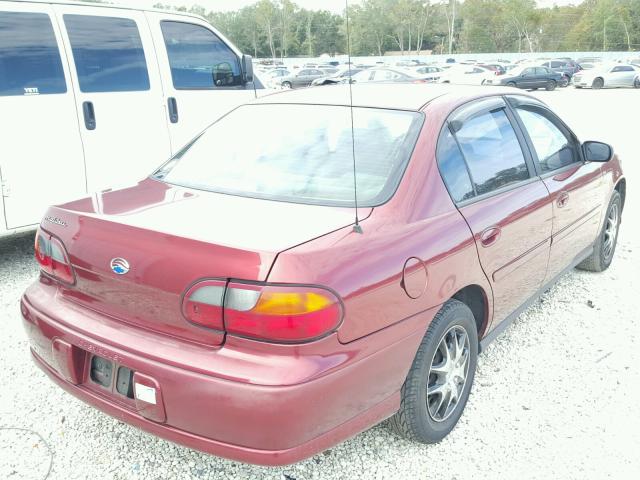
column 118, row 91
column 41, row 159
column 200, row 72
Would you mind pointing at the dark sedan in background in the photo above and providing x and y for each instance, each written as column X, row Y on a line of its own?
column 531, row 78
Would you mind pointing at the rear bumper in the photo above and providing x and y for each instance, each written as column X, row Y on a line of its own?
column 329, row 398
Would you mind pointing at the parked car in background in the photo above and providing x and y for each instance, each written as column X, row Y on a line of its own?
column 430, row 73
column 608, row 76
column 531, row 78
column 301, row 78
column 93, row 96
column 387, row 74
column 568, row 68
column 338, row 77
column 276, row 328
column 496, row 68
column 462, row 74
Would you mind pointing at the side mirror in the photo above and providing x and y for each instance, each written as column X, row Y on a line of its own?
column 597, row 151
column 247, row 68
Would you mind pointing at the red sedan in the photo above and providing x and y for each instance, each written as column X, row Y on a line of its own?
column 230, row 303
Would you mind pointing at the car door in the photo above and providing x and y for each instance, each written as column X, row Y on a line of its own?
column 118, row 93
column 42, row 162
column 622, row 76
column 507, row 207
column 576, row 188
column 200, row 72
column 527, row 78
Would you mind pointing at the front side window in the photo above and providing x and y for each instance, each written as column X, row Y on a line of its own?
column 198, row 58
column 492, row 151
column 108, row 54
column 311, row 163
column 553, row 149
column 30, row 61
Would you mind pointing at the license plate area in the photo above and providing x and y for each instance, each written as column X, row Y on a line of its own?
column 111, row 376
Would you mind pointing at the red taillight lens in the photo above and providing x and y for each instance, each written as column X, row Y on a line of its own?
column 274, row 313
column 52, row 257
column 202, row 304
column 280, row 313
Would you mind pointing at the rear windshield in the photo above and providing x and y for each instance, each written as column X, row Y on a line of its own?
column 299, row 154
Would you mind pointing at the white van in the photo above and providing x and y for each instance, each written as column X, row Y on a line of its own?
column 94, row 96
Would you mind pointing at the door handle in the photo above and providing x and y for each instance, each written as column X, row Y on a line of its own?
column 563, row 199
column 173, row 110
column 490, row 236
column 89, row 115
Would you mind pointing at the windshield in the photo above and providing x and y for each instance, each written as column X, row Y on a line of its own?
column 299, row 154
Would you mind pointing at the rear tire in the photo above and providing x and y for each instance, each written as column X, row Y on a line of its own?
column 605, row 245
column 636, row 83
column 597, row 84
column 551, row 85
column 428, row 417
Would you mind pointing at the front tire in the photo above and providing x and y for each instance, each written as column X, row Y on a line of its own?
column 605, row 245
column 597, row 84
column 636, row 83
column 287, row 85
column 511, row 84
column 437, row 387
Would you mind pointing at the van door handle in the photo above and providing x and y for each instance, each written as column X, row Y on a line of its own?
column 563, row 200
column 173, row 110
column 89, row 115
column 490, row 236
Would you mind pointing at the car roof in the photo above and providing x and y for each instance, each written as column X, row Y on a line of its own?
column 112, row 5
column 396, row 96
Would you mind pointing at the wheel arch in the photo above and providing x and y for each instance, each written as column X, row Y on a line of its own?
column 621, row 188
column 475, row 297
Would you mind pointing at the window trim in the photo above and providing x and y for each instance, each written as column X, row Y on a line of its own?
column 547, row 113
column 242, row 86
column 492, row 102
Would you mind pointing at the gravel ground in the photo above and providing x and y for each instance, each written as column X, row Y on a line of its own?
column 555, row 396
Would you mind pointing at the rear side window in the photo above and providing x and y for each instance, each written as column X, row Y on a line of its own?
column 198, row 58
column 30, row 61
column 108, row 53
column 492, row 151
column 553, row 149
column 453, row 168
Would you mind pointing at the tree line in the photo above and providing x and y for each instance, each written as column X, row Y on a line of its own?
column 280, row 28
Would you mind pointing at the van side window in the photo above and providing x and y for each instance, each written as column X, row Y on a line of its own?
column 198, row 58
column 30, row 61
column 492, row 151
column 108, row 53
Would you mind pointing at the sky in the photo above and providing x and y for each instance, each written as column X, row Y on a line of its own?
column 336, row 6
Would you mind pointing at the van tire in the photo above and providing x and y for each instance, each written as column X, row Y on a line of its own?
column 414, row 420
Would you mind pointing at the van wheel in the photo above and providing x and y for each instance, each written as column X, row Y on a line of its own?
column 551, row 85
column 437, row 387
column 598, row 83
column 605, row 244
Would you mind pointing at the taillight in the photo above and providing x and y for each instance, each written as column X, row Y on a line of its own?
column 52, row 257
column 202, row 304
column 275, row 313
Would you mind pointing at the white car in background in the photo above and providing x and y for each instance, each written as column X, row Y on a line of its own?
column 466, row 75
column 608, row 76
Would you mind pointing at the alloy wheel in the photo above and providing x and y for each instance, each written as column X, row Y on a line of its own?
column 448, row 373
column 611, row 230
